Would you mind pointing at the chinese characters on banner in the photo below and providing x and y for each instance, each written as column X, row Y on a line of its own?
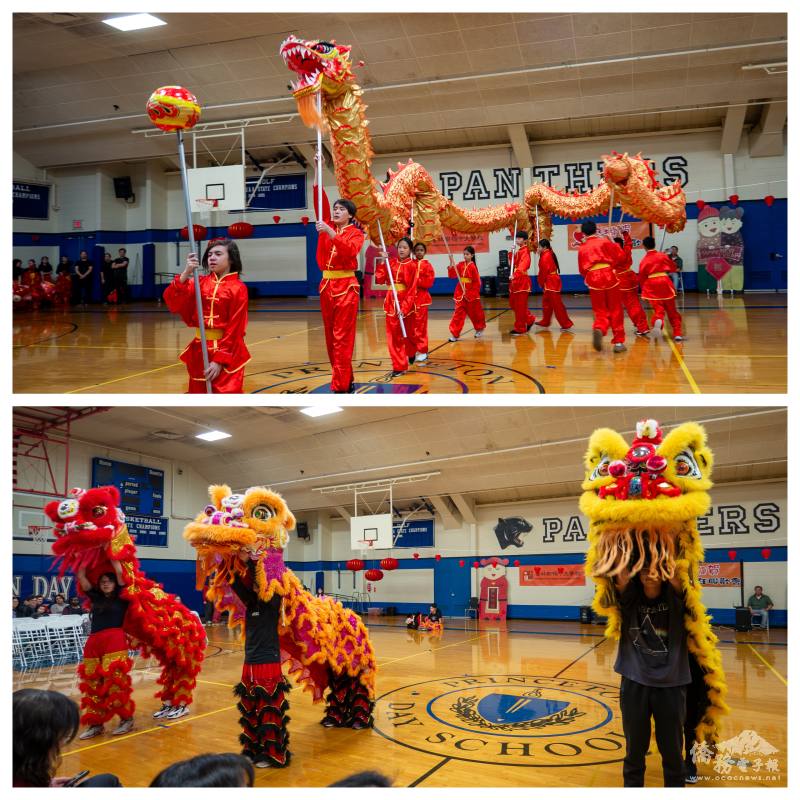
column 552, row 575
column 637, row 231
column 458, row 241
column 725, row 575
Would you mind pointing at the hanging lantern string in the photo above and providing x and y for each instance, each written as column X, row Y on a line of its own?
column 736, row 188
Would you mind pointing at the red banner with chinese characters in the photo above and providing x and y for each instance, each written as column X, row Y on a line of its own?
column 552, row 575
column 458, row 241
column 637, row 230
column 727, row 576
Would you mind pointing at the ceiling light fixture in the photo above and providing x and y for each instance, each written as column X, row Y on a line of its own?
column 134, row 22
column 213, row 436
column 320, row 411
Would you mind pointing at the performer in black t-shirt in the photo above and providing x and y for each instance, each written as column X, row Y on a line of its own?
column 262, row 690
column 653, row 660
column 83, row 274
column 105, row 680
column 119, row 275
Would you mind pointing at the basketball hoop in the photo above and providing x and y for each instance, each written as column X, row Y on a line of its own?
column 204, row 206
column 39, row 533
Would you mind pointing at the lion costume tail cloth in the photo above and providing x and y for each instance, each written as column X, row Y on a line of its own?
column 642, row 502
column 322, row 645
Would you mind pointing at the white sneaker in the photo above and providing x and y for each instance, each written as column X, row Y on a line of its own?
column 658, row 328
column 90, row 733
column 163, row 711
column 619, row 347
column 262, row 764
column 478, row 334
column 420, row 358
column 177, row 712
column 126, row 726
column 452, row 338
column 679, row 338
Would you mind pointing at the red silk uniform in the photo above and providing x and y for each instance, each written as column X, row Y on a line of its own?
column 405, row 277
column 104, row 678
column 338, row 299
column 596, row 259
column 225, row 318
column 32, row 279
column 425, row 279
column 657, row 287
column 629, row 285
column 519, row 288
column 550, row 282
column 467, row 296
column 63, row 290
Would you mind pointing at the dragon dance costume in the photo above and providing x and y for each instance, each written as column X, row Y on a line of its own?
column 643, row 501
column 401, row 350
column 239, row 540
column 337, row 257
column 467, row 297
column 225, row 317
column 658, row 289
column 519, row 288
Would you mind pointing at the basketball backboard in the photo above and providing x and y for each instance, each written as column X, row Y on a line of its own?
column 372, row 532
column 225, row 185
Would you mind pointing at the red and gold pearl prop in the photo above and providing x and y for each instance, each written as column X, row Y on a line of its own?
column 173, row 108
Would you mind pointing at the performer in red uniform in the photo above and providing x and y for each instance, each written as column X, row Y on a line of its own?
column 629, row 285
column 31, row 279
column 658, row 289
column 224, row 313
column 519, row 286
column 425, row 279
column 549, row 278
column 596, row 258
column 404, row 271
column 338, row 246
column 467, row 295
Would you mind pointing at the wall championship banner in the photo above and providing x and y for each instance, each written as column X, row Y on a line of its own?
column 276, row 193
column 552, row 575
column 725, row 575
column 457, row 242
column 30, row 200
column 637, row 231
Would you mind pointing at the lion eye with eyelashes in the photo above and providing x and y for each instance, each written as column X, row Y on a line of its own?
column 686, row 466
column 601, row 470
column 263, row 512
column 99, row 511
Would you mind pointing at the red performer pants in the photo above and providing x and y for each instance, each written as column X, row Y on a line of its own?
column 607, row 308
column 471, row 308
column 226, row 382
column 553, row 304
column 401, row 350
column 339, row 318
column 263, row 706
column 523, row 319
column 660, row 307
column 421, row 329
column 630, row 299
column 105, row 680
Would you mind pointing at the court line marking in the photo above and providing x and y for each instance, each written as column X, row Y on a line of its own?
column 682, row 364
column 430, row 772
column 434, row 649
column 575, row 661
column 147, row 730
column 764, row 660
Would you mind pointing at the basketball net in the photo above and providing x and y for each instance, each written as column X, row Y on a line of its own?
column 205, row 209
column 38, row 533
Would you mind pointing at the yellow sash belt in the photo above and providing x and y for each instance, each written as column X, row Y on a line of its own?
column 212, row 334
column 329, row 274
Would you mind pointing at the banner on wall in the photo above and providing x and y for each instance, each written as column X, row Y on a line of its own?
column 727, row 576
column 30, row 200
column 415, row 533
column 637, row 231
column 457, row 241
column 277, row 193
column 552, row 575
column 148, row 531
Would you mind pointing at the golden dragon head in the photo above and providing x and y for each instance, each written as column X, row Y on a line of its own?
column 251, row 524
column 640, row 497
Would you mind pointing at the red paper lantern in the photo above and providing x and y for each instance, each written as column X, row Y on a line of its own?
column 389, row 564
column 276, row 219
column 475, row 564
column 200, row 232
column 766, row 552
column 701, row 204
column 355, row 565
column 438, row 557
column 516, row 562
column 461, row 563
column 416, row 555
column 240, row 230
column 304, row 220
column 732, row 555
column 734, row 198
column 769, row 200
column 373, row 575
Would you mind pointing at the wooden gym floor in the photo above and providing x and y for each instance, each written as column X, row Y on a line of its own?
column 734, row 345
column 427, row 732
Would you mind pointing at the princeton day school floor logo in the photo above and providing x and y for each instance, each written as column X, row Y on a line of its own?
column 373, row 376
column 508, row 720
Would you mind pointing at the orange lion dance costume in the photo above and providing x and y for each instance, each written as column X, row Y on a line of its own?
column 239, row 540
column 91, row 533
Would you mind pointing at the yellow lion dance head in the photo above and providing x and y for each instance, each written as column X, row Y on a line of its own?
column 642, row 500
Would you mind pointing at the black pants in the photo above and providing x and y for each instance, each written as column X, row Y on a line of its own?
column 667, row 707
column 83, row 293
column 105, row 780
